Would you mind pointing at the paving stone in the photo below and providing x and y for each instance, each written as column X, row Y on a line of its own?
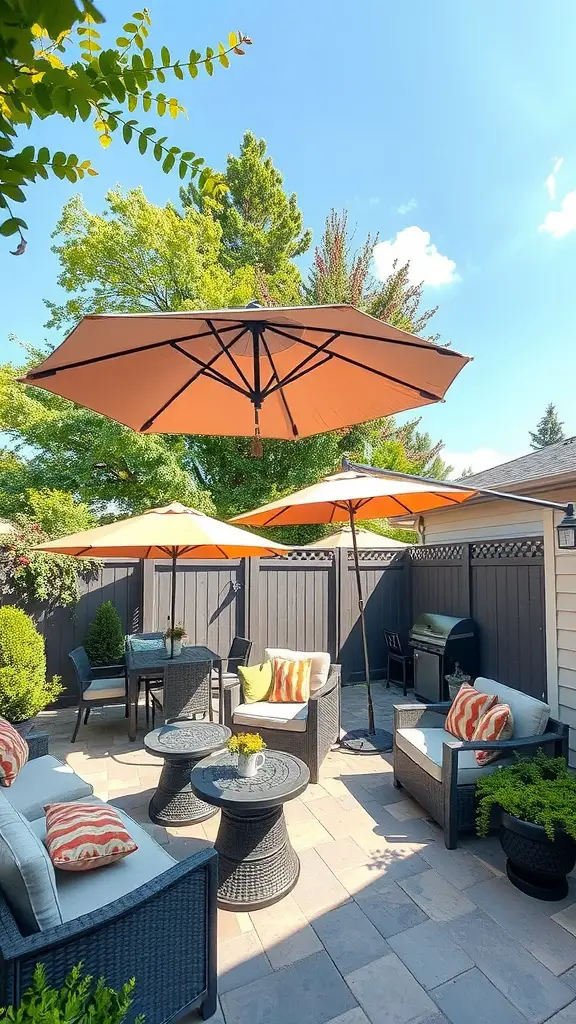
column 404, row 809
column 195, row 1018
column 306, row 834
column 440, row 900
column 342, row 854
column 524, row 919
column 389, row 908
column 522, row 979
column 317, row 889
column 285, row 933
column 429, row 954
column 356, row 1016
column 566, row 1016
column 569, row 978
column 488, row 851
column 310, row 991
column 350, row 937
column 388, row 993
column 241, row 960
column 458, row 866
column 472, row 999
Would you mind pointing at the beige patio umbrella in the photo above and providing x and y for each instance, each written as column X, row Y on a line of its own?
column 173, row 531
column 281, row 372
column 345, row 497
column 364, row 539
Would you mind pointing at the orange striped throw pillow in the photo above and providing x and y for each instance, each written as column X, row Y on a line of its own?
column 290, row 681
column 467, row 707
column 13, row 753
column 80, row 837
column 495, row 724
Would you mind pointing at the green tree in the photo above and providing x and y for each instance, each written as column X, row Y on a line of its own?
column 407, row 449
column 139, row 257
column 52, row 63
column 104, row 641
column 24, row 688
column 548, row 430
column 262, row 226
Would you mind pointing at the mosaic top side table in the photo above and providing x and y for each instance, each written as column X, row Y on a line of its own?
column 256, row 863
column 182, row 744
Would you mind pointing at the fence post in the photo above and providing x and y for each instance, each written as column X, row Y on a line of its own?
column 341, row 600
column 148, row 594
column 467, row 580
column 251, row 607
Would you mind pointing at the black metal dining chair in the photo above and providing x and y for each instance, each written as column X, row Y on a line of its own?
column 144, row 642
column 186, row 692
column 98, row 686
column 399, row 656
column 237, row 655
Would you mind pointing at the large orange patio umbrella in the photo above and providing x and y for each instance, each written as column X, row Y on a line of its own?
column 280, row 372
column 346, row 497
column 173, row 531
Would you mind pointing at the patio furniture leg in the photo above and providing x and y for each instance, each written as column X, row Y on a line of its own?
column 86, row 716
column 77, row 726
column 132, row 706
column 388, row 672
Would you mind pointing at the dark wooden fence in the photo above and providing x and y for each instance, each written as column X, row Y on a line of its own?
column 308, row 601
column 500, row 584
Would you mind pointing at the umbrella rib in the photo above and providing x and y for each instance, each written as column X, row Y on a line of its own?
column 208, row 368
column 40, row 374
column 204, row 367
column 296, row 376
column 227, row 352
column 440, row 349
column 279, row 386
column 370, row 369
column 290, row 375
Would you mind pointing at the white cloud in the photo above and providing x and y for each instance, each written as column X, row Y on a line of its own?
column 477, row 459
column 405, row 208
column 550, row 182
column 413, row 245
column 559, row 223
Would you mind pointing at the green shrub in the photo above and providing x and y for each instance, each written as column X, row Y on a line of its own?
column 24, row 688
column 104, row 641
column 538, row 789
column 78, row 1001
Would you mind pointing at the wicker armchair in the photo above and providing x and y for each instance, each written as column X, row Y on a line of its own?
column 437, row 769
column 311, row 744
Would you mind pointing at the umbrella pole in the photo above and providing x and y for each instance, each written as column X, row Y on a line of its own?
column 370, row 740
column 173, row 607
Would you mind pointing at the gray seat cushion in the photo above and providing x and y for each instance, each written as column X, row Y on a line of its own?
column 424, row 746
column 105, row 689
column 27, row 878
column 264, row 714
column 45, row 780
column 83, row 892
column 530, row 715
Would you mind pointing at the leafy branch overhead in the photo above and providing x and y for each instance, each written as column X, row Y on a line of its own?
column 52, row 62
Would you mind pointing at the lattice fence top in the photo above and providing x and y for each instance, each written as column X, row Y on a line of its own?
column 437, row 553
column 382, row 556
column 524, row 547
column 319, row 556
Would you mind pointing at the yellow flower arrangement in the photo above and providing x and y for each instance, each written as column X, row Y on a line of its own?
column 246, row 743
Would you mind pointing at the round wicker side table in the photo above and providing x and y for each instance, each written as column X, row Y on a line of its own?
column 182, row 745
column 256, row 863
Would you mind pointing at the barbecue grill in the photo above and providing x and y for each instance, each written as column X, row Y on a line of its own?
column 439, row 641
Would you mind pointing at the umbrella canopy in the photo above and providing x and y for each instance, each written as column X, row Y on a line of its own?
column 173, row 531
column 364, row 539
column 366, row 497
column 284, row 373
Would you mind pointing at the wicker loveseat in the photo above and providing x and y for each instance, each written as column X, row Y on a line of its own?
column 307, row 730
column 440, row 771
column 147, row 916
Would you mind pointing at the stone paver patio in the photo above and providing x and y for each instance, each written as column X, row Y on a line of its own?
column 385, row 925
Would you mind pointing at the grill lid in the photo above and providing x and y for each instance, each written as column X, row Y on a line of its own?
column 438, row 628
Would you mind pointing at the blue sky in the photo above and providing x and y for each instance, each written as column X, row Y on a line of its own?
column 446, row 119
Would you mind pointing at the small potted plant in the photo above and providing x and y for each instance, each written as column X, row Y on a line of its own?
column 455, row 680
column 173, row 637
column 536, row 801
column 249, row 747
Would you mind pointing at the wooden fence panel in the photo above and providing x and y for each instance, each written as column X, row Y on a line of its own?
column 438, row 581
column 293, row 603
column 209, row 600
column 384, row 577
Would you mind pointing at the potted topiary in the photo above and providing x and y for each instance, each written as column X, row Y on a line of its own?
column 77, row 1000
column 174, row 636
column 456, row 679
column 24, row 688
column 249, row 746
column 105, row 641
column 535, row 800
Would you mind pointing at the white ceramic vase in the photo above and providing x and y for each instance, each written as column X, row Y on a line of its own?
column 250, row 764
column 177, row 646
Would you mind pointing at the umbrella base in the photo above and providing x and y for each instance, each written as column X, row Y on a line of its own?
column 361, row 741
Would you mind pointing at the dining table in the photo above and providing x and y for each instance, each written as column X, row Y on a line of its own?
column 151, row 664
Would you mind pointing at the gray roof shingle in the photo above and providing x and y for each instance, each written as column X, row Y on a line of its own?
column 554, row 460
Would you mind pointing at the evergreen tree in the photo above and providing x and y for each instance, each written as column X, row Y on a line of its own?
column 104, row 641
column 549, row 429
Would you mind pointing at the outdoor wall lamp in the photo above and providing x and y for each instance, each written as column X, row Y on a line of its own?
column 566, row 530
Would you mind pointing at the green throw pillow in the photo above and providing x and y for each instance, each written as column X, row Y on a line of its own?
column 256, row 681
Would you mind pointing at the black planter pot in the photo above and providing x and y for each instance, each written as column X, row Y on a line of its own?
column 536, row 865
column 25, row 727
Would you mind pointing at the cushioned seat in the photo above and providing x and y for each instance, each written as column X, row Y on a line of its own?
column 424, row 746
column 45, row 780
column 82, row 892
column 268, row 715
column 100, row 689
column 27, row 877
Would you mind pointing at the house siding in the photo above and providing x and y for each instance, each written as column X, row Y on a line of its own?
column 566, row 642
column 492, row 519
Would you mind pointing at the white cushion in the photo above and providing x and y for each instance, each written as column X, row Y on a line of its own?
column 319, row 668
column 83, row 892
column 530, row 715
column 102, row 689
column 45, row 780
column 424, row 746
column 268, row 715
column 27, row 878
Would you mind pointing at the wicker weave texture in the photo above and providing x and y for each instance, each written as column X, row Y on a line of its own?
column 186, row 689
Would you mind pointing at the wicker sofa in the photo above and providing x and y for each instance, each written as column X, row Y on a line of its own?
column 147, row 916
column 308, row 730
column 440, row 771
